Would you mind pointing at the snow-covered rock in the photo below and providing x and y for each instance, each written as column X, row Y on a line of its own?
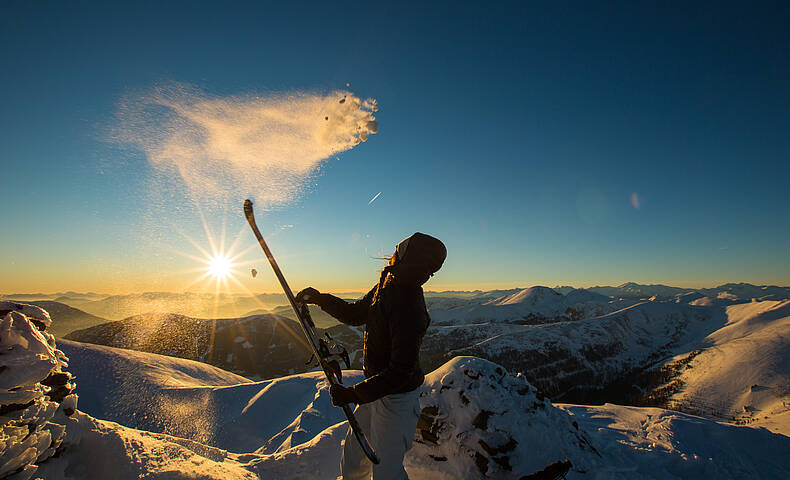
column 479, row 421
column 35, row 392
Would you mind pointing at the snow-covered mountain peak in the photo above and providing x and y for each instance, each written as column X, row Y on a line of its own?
column 532, row 296
column 580, row 295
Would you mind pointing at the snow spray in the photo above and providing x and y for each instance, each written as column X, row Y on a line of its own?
column 227, row 148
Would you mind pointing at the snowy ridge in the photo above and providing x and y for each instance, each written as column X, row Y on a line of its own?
column 652, row 443
column 742, row 373
column 532, row 305
column 262, row 346
column 563, row 357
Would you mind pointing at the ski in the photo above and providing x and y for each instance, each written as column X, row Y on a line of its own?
column 325, row 351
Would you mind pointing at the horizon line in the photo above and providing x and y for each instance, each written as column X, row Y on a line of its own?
column 352, row 290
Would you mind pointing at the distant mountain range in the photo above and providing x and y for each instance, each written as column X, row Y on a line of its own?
column 209, row 305
column 204, row 305
column 66, row 319
column 576, row 346
column 739, row 290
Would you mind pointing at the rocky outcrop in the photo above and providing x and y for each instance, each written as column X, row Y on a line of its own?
column 479, row 421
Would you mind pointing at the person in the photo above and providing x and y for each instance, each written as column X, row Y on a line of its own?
column 395, row 319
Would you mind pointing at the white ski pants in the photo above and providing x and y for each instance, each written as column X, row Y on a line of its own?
column 389, row 423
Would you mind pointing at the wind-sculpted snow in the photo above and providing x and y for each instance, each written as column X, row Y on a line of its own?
column 479, row 421
column 194, row 400
column 652, row 443
column 35, row 391
column 101, row 450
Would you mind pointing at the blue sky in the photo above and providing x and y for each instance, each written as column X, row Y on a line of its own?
column 515, row 133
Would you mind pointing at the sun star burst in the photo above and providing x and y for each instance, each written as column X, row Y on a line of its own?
column 220, row 266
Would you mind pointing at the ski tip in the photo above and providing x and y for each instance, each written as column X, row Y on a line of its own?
column 248, row 207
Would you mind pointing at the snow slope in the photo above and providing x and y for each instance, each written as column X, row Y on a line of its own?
column 503, row 423
column 263, row 346
column 652, row 443
column 477, row 420
column 195, row 400
column 743, row 370
column 567, row 357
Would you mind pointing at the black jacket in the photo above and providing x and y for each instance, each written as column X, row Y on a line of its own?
column 394, row 327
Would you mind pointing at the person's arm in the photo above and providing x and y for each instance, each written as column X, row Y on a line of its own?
column 354, row 313
column 406, row 334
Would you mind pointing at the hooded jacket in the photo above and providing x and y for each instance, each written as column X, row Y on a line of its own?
column 395, row 324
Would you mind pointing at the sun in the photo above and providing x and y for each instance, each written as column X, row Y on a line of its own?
column 220, row 266
column 217, row 264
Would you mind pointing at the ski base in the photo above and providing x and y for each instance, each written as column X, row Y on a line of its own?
column 320, row 348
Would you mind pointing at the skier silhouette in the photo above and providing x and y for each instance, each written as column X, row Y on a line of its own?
column 395, row 319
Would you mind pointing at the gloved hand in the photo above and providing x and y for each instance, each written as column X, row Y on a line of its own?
column 342, row 395
column 309, row 295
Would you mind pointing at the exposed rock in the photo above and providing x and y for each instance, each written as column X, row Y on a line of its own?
column 493, row 428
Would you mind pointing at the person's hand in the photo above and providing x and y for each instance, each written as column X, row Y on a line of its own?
column 308, row 295
column 342, row 395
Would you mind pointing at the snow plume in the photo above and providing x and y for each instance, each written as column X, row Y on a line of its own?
column 226, row 148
